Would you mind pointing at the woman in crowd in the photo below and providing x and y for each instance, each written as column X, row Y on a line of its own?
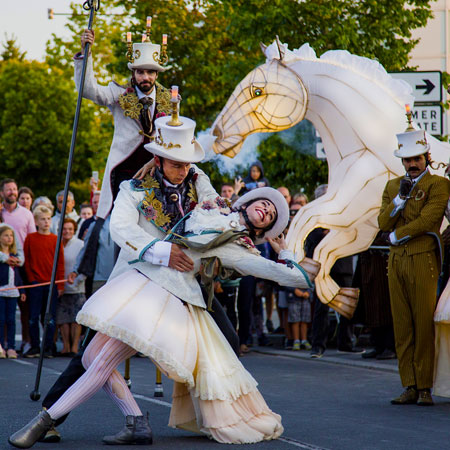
column 73, row 298
column 26, row 197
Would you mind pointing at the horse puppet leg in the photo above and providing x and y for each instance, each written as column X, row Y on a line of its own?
column 339, row 244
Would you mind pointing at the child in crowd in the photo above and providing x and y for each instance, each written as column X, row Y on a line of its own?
column 299, row 316
column 9, row 278
column 39, row 249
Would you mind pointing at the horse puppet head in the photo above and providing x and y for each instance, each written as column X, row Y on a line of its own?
column 270, row 98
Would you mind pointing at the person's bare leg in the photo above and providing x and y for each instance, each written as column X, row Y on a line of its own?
column 303, row 331
column 295, row 328
column 75, row 332
column 65, row 335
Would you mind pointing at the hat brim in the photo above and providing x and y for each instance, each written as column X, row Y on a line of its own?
column 186, row 155
column 148, row 66
column 280, row 204
column 410, row 153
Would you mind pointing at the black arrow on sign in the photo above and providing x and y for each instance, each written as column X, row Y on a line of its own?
column 428, row 86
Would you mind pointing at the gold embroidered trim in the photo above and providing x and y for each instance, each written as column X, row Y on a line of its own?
column 192, row 194
column 163, row 99
column 149, row 183
column 159, row 140
column 155, row 209
column 130, row 105
column 132, row 246
column 422, row 141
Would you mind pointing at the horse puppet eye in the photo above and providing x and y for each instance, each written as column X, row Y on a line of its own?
column 257, row 91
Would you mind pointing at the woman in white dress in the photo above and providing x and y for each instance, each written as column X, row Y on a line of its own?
column 163, row 316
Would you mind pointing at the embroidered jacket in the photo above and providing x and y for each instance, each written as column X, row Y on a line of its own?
column 127, row 137
column 161, row 202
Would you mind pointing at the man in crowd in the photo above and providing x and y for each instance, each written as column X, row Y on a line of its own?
column 86, row 224
column 19, row 218
column 71, row 213
column 133, row 125
column 411, row 215
column 285, row 193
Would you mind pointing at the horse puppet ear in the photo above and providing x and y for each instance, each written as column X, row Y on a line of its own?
column 264, row 47
column 281, row 50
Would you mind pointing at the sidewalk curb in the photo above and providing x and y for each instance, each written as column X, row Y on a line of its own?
column 363, row 364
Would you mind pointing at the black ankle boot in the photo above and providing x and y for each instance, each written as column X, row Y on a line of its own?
column 32, row 431
column 137, row 431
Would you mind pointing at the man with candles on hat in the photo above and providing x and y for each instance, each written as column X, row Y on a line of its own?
column 134, row 109
column 411, row 215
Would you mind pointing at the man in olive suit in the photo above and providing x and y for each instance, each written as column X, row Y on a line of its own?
column 411, row 215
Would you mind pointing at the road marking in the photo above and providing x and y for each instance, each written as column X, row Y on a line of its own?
column 299, row 444
column 287, row 440
column 153, row 400
column 290, row 441
column 28, row 363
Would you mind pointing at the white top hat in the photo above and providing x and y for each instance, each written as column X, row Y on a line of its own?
column 412, row 143
column 177, row 143
column 280, row 204
column 147, row 56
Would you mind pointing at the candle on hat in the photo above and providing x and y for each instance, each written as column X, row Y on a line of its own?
column 129, row 36
column 408, row 108
column 144, row 37
column 174, row 93
column 164, row 39
column 149, row 21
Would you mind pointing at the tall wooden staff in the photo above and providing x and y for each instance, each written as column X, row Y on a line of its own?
column 92, row 6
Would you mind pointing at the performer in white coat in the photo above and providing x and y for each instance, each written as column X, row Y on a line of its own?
column 160, row 312
column 134, row 109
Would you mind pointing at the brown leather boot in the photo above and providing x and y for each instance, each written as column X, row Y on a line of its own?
column 32, row 431
column 137, row 431
column 408, row 397
column 425, row 398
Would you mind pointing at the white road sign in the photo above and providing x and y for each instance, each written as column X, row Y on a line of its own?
column 429, row 118
column 427, row 86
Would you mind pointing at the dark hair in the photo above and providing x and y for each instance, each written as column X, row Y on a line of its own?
column 6, row 181
column 69, row 220
column 26, row 190
column 85, row 205
column 247, row 220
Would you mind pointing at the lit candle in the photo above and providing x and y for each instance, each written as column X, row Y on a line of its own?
column 149, row 21
column 144, row 37
column 129, row 36
column 164, row 39
column 408, row 108
column 174, row 92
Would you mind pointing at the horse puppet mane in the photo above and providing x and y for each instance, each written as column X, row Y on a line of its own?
column 370, row 69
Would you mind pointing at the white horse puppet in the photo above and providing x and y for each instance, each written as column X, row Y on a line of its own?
column 358, row 109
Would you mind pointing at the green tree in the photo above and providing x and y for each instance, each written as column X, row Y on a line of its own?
column 37, row 106
column 11, row 49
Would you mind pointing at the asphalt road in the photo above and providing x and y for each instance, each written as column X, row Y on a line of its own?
column 332, row 403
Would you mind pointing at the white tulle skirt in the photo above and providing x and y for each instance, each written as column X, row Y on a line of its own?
column 213, row 392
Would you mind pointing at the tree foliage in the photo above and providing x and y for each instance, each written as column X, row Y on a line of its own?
column 37, row 106
column 11, row 50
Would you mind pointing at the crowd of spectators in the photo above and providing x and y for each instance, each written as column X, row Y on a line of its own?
column 28, row 228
